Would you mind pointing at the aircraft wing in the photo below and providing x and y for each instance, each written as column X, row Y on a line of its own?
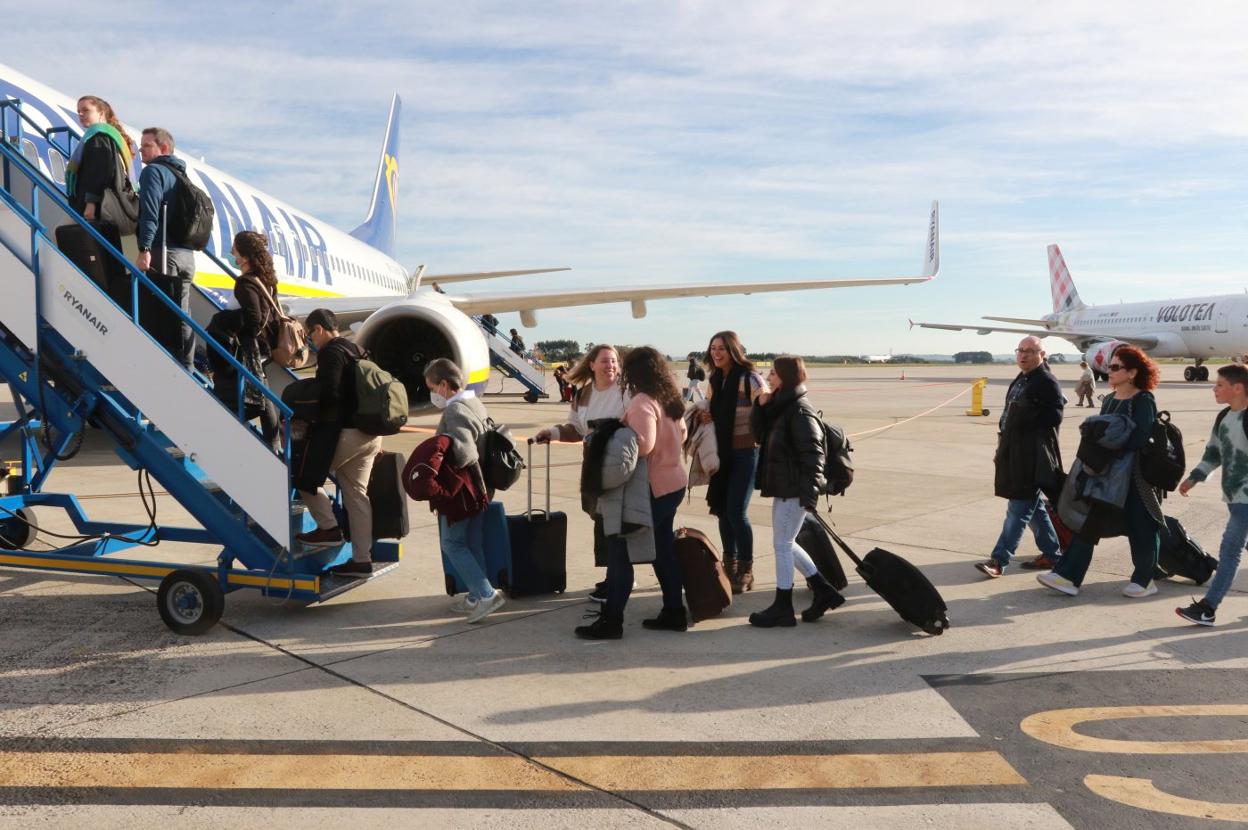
column 1143, row 341
column 447, row 279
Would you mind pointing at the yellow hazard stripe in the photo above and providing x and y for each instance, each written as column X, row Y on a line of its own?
column 455, row 772
column 207, row 279
column 103, row 566
column 479, row 375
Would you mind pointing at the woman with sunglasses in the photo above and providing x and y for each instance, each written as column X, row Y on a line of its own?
column 1132, row 376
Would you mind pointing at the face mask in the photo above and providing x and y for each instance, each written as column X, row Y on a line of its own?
column 437, row 400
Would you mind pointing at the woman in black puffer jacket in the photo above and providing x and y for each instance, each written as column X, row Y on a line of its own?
column 790, row 471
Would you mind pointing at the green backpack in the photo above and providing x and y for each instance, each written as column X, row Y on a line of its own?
column 381, row 399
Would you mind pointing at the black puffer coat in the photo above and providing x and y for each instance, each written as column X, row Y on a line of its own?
column 791, row 455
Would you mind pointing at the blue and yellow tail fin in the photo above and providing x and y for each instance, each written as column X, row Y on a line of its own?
column 378, row 229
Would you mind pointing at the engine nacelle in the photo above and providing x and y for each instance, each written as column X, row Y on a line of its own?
column 405, row 336
column 1098, row 357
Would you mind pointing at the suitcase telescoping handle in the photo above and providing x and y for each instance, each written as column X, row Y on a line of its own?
column 836, row 537
column 529, row 511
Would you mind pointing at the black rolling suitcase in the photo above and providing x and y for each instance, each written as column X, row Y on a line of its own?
column 539, row 544
column 101, row 267
column 900, row 584
column 387, row 496
column 157, row 318
column 1181, row 555
column 818, row 545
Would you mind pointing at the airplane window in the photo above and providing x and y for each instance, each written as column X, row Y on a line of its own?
column 56, row 163
column 29, row 151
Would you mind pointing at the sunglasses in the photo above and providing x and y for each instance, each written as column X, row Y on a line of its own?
column 1115, row 367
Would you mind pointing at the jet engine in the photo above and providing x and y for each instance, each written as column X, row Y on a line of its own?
column 1098, row 356
column 405, row 336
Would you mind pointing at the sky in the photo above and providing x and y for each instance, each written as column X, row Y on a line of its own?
column 663, row 142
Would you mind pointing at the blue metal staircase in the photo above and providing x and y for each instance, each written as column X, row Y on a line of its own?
column 72, row 357
column 516, row 366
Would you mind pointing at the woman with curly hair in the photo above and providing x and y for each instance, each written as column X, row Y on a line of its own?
column 1132, row 377
column 249, row 331
column 92, row 167
column 656, row 414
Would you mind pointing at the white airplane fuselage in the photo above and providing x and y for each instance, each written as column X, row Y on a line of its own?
column 1194, row 327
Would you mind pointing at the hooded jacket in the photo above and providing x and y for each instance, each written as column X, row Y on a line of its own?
column 429, row 476
column 790, row 434
column 624, row 500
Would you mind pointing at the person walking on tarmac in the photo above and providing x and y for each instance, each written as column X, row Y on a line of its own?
column 1086, row 387
column 464, row 422
column 334, row 444
column 790, row 471
column 1028, row 460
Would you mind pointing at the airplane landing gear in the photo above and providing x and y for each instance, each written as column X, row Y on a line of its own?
column 1191, row 374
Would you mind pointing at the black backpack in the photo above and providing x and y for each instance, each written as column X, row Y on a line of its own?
column 1162, row 460
column 838, row 467
column 501, row 463
column 191, row 213
column 1227, row 411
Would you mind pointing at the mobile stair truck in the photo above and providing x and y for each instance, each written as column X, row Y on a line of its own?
column 72, row 357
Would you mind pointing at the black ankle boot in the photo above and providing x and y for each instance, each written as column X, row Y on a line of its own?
column 603, row 628
column 826, row 598
column 779, row 613
column 669, row 619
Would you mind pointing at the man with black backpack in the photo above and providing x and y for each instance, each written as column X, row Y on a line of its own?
column 353, row 450
column 158, row 184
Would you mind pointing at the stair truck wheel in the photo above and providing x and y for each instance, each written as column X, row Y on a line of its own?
column 530, row 396
column 190, row 601
column 17, row 531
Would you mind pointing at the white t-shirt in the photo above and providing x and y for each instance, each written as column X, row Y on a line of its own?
column 603, row 403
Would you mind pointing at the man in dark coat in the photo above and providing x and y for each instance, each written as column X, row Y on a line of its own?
column 1028, row 460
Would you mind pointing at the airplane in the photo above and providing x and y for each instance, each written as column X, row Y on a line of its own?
column 404, row 319
column 880, row 358
column 1191, row 327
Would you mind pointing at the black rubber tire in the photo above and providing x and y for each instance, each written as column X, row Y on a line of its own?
column 1189, row 373
column 1202, row 373
column 983, row 413
column 530, row 396
column 190, row 601
column 16, row 533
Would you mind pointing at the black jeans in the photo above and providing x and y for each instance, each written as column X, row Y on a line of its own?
column 666, row 565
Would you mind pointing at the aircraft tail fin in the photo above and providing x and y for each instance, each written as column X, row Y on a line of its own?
column 378, row 229
column 1065, row 297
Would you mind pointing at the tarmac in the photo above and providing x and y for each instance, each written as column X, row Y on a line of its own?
column 381, row 706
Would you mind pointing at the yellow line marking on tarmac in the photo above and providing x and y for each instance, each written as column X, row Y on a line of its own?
column 1141, row 793
column 299, row 772
column 442, row 772
column 786, row 772
column 1057, row 727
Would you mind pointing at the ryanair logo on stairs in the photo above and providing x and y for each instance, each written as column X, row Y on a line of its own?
column 80, row 307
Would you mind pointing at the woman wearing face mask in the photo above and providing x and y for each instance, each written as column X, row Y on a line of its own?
column 605, row 397
column 92, row 167
column 463, row 421
column 732, row 388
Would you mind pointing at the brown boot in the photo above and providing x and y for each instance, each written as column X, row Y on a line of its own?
column 743, row 578
column 730, row 568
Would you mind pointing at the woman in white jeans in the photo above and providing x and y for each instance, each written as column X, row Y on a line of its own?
column 790, row 471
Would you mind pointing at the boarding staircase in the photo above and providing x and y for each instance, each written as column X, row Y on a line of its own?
column 522, row 368
column 73, row 357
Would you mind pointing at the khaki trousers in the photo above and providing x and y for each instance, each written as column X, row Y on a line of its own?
column 352, row 466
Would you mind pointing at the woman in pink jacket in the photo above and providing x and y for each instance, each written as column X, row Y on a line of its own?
column 655, row 413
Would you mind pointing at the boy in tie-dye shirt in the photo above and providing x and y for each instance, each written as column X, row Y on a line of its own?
column 1227, row 448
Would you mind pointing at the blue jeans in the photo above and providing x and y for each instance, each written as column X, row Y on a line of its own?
column 464, row 546
column 1018, row 515
column 1143, row 536
column 1229, row 554
column 666, row 566
column 735, row 531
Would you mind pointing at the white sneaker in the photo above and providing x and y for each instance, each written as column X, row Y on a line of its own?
column 484, row 607
column 463, row 605
column 1058, row 583
column 1136, row 592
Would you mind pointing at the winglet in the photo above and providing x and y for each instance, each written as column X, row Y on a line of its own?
column 931, row 253
column 378, row 229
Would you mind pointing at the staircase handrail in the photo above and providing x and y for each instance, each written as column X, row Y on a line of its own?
column 136, row 275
